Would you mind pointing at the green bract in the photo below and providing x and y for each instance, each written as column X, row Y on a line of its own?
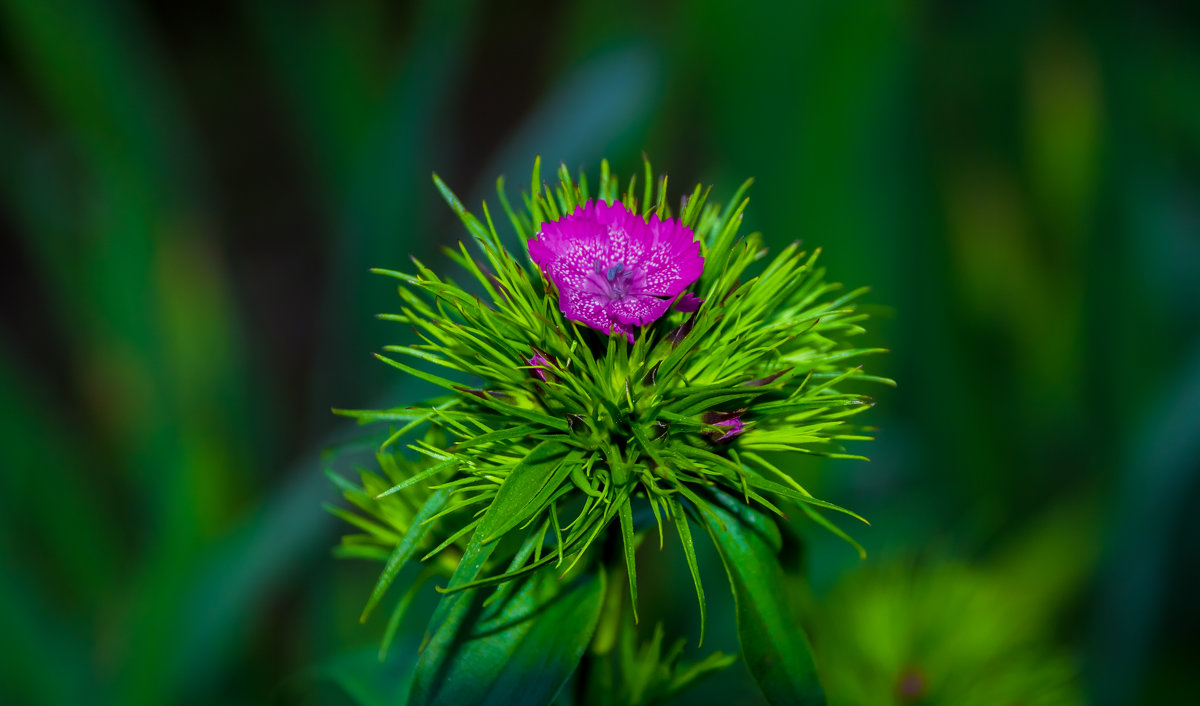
column 515, row 474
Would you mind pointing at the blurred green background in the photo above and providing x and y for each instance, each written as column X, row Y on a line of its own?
column 191, row 194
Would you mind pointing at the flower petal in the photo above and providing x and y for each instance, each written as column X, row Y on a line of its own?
column 583, row 307
column 687, row 303
column 638, row 310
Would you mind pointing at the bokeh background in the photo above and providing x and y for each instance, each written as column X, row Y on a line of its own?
column 191, row 195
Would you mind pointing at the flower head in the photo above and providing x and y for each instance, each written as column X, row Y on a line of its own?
column 543, row 444
column 613, row 269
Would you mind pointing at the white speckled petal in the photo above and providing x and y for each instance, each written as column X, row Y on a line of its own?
column 638, row 310
column 585, row 308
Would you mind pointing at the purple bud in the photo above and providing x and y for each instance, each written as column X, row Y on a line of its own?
column 731, row 422
column 538, row 359
column 768, row 379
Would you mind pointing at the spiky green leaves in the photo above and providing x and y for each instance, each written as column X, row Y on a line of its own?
column 552, row 433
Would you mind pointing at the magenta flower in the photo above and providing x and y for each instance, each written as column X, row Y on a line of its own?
column 613, row 270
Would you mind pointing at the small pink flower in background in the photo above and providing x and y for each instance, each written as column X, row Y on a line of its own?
column 613, row 270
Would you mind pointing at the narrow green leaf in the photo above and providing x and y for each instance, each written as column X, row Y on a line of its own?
column 689, row 551
column 404, row 550
column 520, row 485
column 499, row 435
column 628, row 540
column 470, row 221
column 423, row 475
column 427, row 377
column 647, row 188
column 551, row 481
column 774, row 645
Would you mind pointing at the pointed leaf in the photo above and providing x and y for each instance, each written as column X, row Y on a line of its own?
column 404, row 550
column 551, row 482
column 518, row 489
column 521, row 653
column 630, row 544
column 774, row 644
column 689, row 551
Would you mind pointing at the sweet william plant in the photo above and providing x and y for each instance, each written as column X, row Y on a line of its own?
column 635, row 373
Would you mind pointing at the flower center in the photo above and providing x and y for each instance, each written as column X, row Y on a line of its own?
column 617, row 280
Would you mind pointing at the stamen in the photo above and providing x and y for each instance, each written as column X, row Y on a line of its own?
column 614, row 271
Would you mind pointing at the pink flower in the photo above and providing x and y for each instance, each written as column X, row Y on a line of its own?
column 613, row 270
